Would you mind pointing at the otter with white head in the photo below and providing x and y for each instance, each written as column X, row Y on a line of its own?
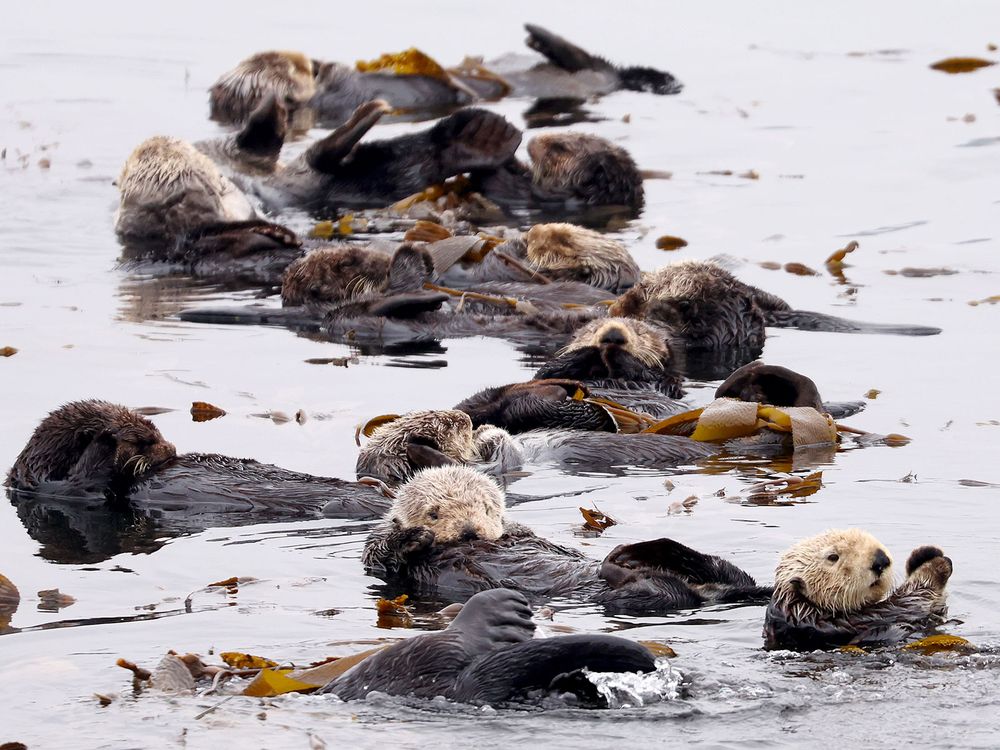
column 835, row 589
column 288, row 77
column 447, row 536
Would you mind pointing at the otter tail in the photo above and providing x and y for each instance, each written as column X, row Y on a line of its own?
column 806, row 320
column 549, row 665
column 252, row 315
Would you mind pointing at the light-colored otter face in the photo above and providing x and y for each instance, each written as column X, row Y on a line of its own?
column 167, row 187
column 456, row 503
column 585, row 167
column 838, row 571
column 334, row 275
column 288, row 76
column 635, row 337
column 566, row 250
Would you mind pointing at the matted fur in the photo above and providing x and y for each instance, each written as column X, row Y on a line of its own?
column 586, row 167
column 90, row 440
column 286, row 75
column 453, row 502
column 335, row 274
column 566, row 251
column 642, row 340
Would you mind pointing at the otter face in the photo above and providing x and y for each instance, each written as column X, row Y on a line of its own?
column 838, row 571
column 455, row 503
column 623, row 336
column 585, row 167
column 286, row 76
column 569, row 252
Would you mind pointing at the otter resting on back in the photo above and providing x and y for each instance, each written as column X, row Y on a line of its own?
column 487, row 656
column 709, row 308
column 835, row 589
column 328, row 92
column 112, row 461
column 446, row 536
column 177, row 206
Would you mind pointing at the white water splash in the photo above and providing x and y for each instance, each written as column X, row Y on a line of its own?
column 634, row 689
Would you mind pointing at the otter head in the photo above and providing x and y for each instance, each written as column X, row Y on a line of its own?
column 456, row 503
column 621, row 339
column 287, row 77
column 585, row 168
column 94, row 443
column 572, row 253
column 418, row 440
column 771, row 384
column 334, row 275
column 838, row 571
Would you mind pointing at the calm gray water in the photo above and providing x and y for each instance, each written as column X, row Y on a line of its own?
column 853, row 137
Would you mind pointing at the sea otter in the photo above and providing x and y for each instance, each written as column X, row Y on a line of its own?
column 178, row 208
column 99, row 455
column 328, row 92
column 403, row 445
column 447, row 537
column 487, row 656
column 636, row 363
column 835, row 589
column 709, row 309
column 556, row 252
column 780, row 386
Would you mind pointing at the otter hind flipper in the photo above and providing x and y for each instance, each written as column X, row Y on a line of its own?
column 806, row 320
column 562, row 53
column 423, row 456
column 252, row 315
column 547, row 665
column 326, row 155
column 407, row 305
column 492, row 620
column 667, row 555
column 843, row 409
column 265, row 130
column 473, row 139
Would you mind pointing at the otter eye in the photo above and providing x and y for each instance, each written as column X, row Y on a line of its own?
column 833, row 557
column 432, row 514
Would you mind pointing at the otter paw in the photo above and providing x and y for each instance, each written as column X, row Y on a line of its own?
column 933, row 572
column 921, row 555
column 415, row 540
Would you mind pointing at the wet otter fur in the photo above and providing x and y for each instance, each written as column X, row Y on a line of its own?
column 710, row 309
column 286, row 76
column 538, row 404
column 487, row 656
column 98, row 459
column 621, row 354
column 439, row 540
column 568, row 172
column 779, row 386
column 425, row 439
column 835, row 589
column 92, row 443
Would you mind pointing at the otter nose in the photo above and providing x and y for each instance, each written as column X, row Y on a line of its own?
column 613, row 336
column 880, row 562
column 468, row 534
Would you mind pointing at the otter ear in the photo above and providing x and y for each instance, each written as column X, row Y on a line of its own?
column 265, row 129
column 423, row 456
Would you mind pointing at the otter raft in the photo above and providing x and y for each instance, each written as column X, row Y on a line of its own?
column 620, row 375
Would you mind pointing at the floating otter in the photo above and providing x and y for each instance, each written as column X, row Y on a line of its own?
column 329, row 92
column 558, row 252
column 834, row 590
column 779, row 386
column 711, row 309
column 177, row 207
column 446, row 536
column 399, row 446
column 629, row 361
column 113, row 461
column 487, row 656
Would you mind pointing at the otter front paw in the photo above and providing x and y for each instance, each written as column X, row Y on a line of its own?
column 929, row 566
column 415, row 541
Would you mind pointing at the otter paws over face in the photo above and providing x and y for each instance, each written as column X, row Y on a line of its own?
column 835, row 589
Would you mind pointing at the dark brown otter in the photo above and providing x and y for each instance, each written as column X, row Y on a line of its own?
column 779, row 386
column 538, row 404
column 407, row 552
column 833, row 590
column 709, row 309
column 487, row 656
column 97, row 458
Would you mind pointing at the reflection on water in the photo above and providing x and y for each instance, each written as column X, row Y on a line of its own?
column 880, row 153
